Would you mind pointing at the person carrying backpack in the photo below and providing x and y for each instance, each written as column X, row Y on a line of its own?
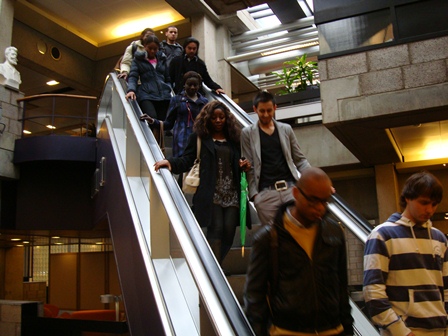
column 126, row 60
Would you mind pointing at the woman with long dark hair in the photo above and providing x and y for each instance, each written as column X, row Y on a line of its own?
column 217, row 199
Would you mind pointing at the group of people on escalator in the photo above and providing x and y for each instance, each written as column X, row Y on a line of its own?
column 297, row 281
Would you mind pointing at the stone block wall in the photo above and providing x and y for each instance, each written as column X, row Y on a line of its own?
column 35, row 291
column 10, row 129
column 392, row 79
column 12, row 312
column 355, row 259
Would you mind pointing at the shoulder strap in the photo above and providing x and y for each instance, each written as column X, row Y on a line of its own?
column 198, row 144
column 134, row 48
column 273, row 260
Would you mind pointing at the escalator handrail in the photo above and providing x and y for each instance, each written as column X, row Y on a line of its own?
column 356, row 216
column 231, row 307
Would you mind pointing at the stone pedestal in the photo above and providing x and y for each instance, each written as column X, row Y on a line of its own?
column 10, row 129
column 12, row 313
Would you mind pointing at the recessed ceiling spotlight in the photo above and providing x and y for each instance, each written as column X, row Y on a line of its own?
column 55, row 237
column 52, row 82
column 51, row 127
column 26, row 132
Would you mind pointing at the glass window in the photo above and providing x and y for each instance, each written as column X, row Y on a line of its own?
column 355, row 32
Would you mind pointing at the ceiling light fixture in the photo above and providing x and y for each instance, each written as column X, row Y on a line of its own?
column 52, row 82
column 15, row 239
column 290, row 48
column 51, row 127
column 135, row 26
column 26, row 132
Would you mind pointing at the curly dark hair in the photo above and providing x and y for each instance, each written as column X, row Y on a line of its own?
column 203, row 125
column 421, row 184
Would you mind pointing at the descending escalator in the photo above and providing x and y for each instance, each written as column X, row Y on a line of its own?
column 171, row 282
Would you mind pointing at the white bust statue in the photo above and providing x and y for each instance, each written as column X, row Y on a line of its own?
column 8, row 73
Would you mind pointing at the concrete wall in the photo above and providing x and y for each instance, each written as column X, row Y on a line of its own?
column 393, row 80
column 72, row 68
column 214, row 46
column 14, row 274
column 10, row 113
column 322, row 148
column 6, row 18
column 384, row 81
column 11, row 313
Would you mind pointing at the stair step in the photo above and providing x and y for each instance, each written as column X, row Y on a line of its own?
column 234, row 263
column 237, row 282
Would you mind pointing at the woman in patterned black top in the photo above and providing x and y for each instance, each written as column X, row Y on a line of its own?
column 216, row 201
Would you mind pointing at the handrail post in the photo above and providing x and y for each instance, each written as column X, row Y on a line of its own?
column 52, row 114
column 87, row 118
column 23, row 118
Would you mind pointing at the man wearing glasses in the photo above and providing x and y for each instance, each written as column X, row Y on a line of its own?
column 274, row 153
column 297, row 278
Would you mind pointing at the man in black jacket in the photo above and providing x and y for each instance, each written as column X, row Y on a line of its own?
column 190, row 61
column 297, row 276
column 170, row 47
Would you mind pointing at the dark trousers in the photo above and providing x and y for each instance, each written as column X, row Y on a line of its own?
column 156, row 109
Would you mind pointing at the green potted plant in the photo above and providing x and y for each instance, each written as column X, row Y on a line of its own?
column 297, row 75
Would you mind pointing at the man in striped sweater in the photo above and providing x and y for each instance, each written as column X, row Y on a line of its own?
column 406, row 265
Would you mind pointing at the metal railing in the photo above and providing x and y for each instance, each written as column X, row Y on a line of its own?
column 58, row 114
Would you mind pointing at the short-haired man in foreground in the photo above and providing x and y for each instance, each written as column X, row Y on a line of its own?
column 406, row 265
column 297, row 276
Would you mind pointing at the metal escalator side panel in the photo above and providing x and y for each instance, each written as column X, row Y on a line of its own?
column 217, row 297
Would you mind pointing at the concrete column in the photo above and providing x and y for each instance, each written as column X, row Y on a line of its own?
column 6, row 21
column 387, row 191
column 10, row 127
column 214, row 47
column 12, row 314
column 10, row 130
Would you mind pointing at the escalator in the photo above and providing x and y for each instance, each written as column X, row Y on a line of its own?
column 171, row 282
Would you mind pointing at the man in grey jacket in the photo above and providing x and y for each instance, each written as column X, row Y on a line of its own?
column 274, row 153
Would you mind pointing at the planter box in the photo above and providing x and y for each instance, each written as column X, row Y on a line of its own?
column 308, row 95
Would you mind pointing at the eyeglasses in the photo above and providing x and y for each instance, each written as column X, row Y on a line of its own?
column 312, row 200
